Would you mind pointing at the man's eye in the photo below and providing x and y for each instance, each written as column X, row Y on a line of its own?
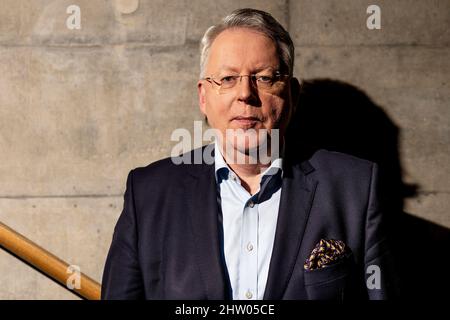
column 265, row 79
column 227, row 79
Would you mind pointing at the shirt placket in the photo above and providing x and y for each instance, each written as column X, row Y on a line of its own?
column 249, row 251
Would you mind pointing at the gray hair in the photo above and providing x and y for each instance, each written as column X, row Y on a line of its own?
column 256, row 20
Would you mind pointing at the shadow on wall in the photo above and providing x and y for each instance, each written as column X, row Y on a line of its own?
column 337, row 116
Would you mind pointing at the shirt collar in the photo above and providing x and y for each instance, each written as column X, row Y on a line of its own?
column 222, row 169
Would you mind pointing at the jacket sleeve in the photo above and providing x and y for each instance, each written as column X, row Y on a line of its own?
column 122, row 277
column 380, row 274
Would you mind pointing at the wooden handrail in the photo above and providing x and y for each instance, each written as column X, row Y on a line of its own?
column 47, row 263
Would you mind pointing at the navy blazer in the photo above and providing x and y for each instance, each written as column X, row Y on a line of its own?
column 167, row 243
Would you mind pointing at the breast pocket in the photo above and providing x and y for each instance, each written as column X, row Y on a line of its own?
column 330, row 282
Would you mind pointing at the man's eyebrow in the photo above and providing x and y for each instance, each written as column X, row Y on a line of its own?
column 267, row 68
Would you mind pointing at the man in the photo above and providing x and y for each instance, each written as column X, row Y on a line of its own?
column 250, row 229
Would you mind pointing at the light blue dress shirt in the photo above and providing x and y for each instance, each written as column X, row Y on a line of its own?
column 249, row 224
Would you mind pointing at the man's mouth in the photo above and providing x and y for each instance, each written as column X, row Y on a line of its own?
column 246, row 121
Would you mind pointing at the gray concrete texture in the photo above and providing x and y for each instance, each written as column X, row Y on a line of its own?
column 80, row 108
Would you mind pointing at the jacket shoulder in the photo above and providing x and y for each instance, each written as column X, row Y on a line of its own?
column 333, row 163
column 170, row 169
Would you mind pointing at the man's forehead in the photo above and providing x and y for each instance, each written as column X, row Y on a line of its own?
column 234, row 49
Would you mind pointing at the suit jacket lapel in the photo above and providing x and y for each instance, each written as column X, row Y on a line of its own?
column 295, row 204
column 204, row 214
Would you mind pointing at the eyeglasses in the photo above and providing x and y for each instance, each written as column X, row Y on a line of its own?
column 262, row 82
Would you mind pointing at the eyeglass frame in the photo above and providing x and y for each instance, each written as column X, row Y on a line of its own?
column 252, row 77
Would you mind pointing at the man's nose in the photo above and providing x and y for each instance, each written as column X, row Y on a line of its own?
column 246, row 89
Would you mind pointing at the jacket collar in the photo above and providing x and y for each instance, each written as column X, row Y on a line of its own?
column 297, row 195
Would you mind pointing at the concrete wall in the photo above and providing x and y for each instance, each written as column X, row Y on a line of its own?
column 80, row 108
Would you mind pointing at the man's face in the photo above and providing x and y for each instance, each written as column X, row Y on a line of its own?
column 241, row 51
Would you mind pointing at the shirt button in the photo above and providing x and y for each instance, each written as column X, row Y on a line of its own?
column 248, row 294
column 249, row 246
column 251, row 204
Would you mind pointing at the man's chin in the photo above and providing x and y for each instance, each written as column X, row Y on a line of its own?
column 247, row 149
column 249, row 144
column 243, row 152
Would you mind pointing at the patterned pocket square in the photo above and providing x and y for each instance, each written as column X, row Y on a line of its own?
column 325, row 253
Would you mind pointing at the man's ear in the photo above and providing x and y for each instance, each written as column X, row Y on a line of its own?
column 201, row 97
column 295, row 93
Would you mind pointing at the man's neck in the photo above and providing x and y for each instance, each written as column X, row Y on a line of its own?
column 246, row 168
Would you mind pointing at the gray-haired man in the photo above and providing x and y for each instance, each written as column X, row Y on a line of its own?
column 250, row 229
